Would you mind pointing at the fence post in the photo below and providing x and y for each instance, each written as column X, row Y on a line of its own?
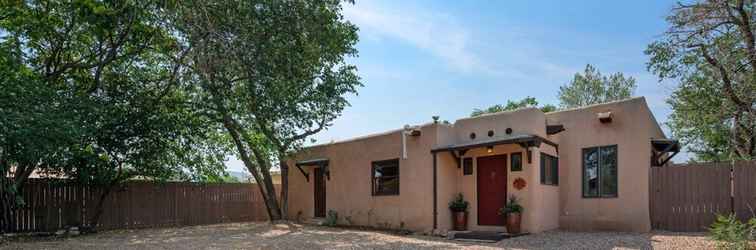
column 732, row 186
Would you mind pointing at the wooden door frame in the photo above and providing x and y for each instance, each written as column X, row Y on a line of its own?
column 477, row 185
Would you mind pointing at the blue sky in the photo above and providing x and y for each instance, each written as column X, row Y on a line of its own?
column 418, row 59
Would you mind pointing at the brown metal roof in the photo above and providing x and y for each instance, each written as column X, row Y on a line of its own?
column 527, row 139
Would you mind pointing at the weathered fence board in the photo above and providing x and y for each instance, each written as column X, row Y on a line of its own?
column 687, row 197
column 50, row 206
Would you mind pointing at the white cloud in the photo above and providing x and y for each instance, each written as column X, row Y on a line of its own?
column 435, row 33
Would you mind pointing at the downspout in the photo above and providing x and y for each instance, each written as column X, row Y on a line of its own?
column 404, row 141
column 435, row 195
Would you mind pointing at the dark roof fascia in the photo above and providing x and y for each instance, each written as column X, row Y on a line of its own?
column 532, row 140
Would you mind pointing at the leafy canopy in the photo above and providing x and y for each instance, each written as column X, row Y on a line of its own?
column 269, row 74
column 710, row 50
column 588, row 88
column 513, row 105
column 592, row 87
column 104, row 70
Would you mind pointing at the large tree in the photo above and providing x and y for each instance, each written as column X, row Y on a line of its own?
column 512, row 105
column 269, row 73
column 592, row 87
column 94, row 86
column 710, row 48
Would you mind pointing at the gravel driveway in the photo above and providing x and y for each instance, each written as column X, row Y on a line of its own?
column 267, row 236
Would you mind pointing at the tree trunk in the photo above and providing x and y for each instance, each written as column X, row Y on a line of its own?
column 99, row 209
column 4, row 193
column 10, row 189
column 284, row 186
column 7, row 198
column 267, row 190
column 267, row 182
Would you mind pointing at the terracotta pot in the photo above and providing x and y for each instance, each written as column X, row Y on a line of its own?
column 459, row 220
column 513, row 223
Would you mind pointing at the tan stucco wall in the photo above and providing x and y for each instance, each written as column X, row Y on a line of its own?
column 349, row 190
column 546, row 207
column 630, row 130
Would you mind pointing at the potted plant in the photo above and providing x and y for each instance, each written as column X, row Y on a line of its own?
column 458, row 206
column 513, row 214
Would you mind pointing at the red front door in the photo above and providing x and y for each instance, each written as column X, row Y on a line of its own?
column 492, row 189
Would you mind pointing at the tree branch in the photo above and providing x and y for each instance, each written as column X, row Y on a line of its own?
column 725, row 77
column 745, row 28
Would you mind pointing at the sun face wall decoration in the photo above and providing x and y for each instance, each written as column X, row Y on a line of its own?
column 519, row 183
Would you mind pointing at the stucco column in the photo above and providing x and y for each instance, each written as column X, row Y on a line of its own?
column 530, row 201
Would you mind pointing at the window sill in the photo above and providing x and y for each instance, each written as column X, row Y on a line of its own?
column 383, row 195
column 600, row 197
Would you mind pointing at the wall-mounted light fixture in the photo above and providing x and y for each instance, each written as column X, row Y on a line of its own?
column 489, row 149
column 605, row 117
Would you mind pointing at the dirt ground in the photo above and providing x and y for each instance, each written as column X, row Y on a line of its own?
column 267, row 236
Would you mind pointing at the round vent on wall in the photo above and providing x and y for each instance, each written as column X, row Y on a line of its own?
column 490, row 133
column 472, row 136
column 508, row 131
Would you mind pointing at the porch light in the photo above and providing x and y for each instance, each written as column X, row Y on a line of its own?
column 605, row 117
column 489, row 149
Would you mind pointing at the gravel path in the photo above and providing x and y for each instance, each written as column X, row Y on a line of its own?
column 267, row 236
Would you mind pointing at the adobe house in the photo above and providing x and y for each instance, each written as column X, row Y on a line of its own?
column 584, row 169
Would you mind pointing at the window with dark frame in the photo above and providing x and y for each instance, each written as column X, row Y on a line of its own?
column 600, row 172
column 549, row 170
column 386, row 177
column 516, row 159
column 467, row 166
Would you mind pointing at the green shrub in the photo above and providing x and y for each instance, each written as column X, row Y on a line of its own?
column 512, row 206
column 459, row 204
column 332, row 218
column 731, row 233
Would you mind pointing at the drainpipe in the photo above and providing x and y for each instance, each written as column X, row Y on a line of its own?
column 404, row 141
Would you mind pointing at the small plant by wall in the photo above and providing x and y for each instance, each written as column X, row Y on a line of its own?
column 299, row 216
column 731, row 233
column 348, row 220
column 332, row 218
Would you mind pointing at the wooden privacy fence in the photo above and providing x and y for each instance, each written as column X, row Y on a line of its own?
column 687, row 197
column 51, row 206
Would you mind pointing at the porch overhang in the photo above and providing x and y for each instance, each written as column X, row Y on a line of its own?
column 524, row 140
column 317, row 162
column 662, row 150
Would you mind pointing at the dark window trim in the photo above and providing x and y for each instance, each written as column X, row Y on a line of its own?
column 465, row 166
column 541, row 168
column 372, row 176
column 511, row 162
column 582, row 167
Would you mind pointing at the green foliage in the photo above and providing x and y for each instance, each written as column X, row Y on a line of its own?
column 731, row 233
column 115, row 90
column 513, row 105
column 459, row 204
column 592, row 87
column 701, row 118
column 712, row 58
column 332, row 218
column 269, row 73
column 512, row 206
column 90, row 91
